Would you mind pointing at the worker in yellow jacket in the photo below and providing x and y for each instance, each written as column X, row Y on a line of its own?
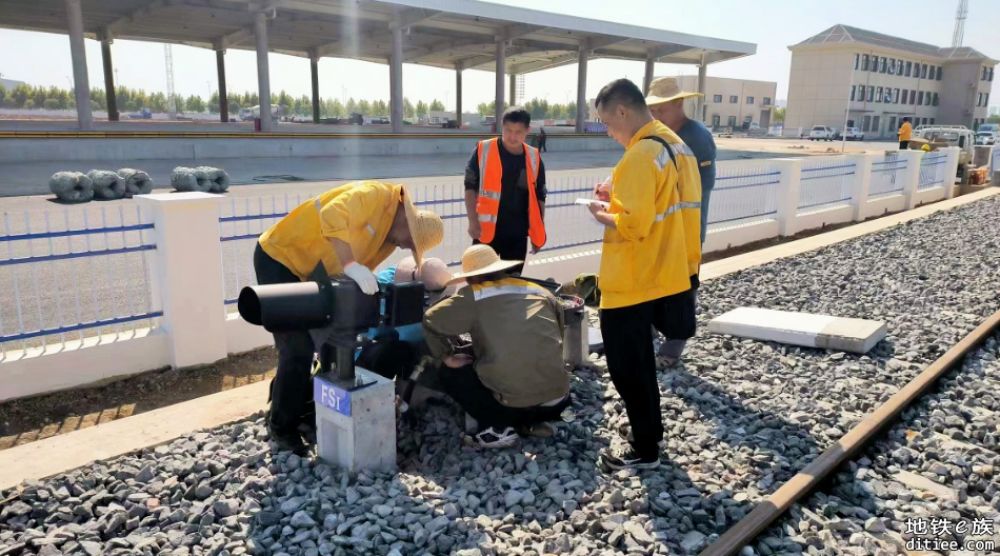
column 351, row 229
column 905, row 134
column 645, row 266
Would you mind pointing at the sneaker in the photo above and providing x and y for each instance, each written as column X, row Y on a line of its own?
column 290, row 441
column 490, row 437
column 627, row 458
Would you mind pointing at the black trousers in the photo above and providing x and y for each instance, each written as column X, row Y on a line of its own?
column 628, row 347
column 464, row 386
column 903, row 145
column 510, row 249
column 291, row 387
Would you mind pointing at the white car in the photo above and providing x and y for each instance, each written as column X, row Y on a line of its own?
column 853, row 134
column 986, row 138
column 822, row 133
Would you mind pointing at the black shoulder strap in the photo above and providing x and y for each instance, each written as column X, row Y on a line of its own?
column 666, row 145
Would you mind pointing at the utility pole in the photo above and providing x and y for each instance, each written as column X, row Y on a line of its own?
column 963, row 13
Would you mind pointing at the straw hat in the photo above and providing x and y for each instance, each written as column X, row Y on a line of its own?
column 426, row 228
column 481, row 259
column 666, row 89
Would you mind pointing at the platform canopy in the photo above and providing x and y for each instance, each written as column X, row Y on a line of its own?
column 441, row 33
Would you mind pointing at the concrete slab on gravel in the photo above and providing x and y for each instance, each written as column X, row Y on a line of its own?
column 800, row 329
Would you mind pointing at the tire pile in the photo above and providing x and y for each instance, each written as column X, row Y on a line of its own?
column 107, row 185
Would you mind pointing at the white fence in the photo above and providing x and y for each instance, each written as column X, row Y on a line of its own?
column 90, row 293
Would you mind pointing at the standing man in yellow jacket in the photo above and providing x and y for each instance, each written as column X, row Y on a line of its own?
column 645, row 265
column 905, row 134
column 505, row 191
column 351, row 229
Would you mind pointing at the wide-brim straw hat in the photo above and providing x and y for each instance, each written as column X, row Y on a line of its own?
column 481, row 259
column 426, row 228
column 666, row 89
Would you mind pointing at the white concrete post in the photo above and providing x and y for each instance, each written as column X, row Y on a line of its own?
column 862, row 183
column 951, row 170
column 501, row 60
column 788, row 194
column 263, row 71
column 396, row 79
column 188, row 274
column 81, row 84
column 911, row 178
column 647, row 76
column 581, row 87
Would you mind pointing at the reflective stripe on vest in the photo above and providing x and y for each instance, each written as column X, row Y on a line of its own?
column 674, row 208
column 493, row 291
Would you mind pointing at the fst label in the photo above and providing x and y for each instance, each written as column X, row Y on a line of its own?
column 332, row 397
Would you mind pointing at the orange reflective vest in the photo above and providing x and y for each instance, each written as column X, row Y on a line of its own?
column 488, row 204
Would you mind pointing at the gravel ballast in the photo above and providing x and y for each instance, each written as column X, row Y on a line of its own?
column 741, row 417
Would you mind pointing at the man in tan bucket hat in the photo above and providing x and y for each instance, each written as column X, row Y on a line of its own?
column 350, row 229
column 515, row 377
column 666, row 103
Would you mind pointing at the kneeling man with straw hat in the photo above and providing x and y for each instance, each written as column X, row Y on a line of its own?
column 514, row 379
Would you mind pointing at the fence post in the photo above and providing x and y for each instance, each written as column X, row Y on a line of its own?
column 862, row 183
column 788, row 194
column 188, row 274
column 911, row 177
column 951, row 171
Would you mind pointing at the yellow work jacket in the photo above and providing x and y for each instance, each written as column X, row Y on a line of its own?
column 645, row 255
column 359, row 213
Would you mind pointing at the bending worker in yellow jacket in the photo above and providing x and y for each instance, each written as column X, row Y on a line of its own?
column 351, row 229
column 646, row 264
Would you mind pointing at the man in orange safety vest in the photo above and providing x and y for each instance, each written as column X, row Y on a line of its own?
column 505, row 191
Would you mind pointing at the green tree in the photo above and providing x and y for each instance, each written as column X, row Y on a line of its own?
column 51, row 104
column 409, row 112
column 486, row 108
column 336, row 108
column 777, row 115
column 352, row 106
column 365, row 108
column 195, row 104
column 20, row 95
column 421, row 109
column 993, row 119
column 213, row 103
column 437, row 106
column 29, row 103
column 3, row 96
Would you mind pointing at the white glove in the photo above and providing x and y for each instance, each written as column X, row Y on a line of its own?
column 363, row 277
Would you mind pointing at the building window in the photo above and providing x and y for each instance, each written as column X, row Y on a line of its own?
column 903, row 98
column 857, row 61
column 895, row 96
column 979, row 101
column 991, row 74
column 866, row 123
column 882, row 64
column 986, row 100
column 864, row 62
column 920, row 97
column 878, row 94
column 717, row 99
column 853, row 87
column 731, row 122
column 892, row 66
column 985, row 74
column 875, row 62
column 733, row 99
column 923, row 71
column 909, row 68
column 749, row 100
column 871, row 93
column 766, row 101
column 716, row 120
column 935, row 101
column 875, row 128
column 892, row 123
column 932, row 121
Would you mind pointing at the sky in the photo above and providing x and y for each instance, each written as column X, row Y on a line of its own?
column 772, row 25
